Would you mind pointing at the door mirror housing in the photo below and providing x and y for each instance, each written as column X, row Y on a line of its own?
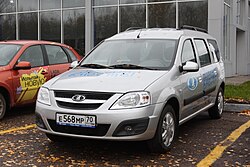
column 22, row 65
column 73, row 64
column 190, row 67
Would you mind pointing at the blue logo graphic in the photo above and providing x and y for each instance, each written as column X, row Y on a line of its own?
column 192, row 83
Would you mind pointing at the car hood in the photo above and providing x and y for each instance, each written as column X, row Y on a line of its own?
column 105, row 80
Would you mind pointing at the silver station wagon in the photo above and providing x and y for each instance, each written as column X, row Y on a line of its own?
column 138, row 85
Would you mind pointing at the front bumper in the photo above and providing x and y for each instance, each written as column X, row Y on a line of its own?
column 139, row 123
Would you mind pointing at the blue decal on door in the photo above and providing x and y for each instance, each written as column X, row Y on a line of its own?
column 192, row 83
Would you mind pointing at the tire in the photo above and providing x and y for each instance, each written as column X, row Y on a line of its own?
column 57, row 138
column 216, row 111
column 164, row 135
column 3, row 106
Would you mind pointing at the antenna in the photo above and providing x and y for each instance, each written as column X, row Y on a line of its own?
column 138, row 36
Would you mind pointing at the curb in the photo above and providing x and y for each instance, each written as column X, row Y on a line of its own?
column 232, row 107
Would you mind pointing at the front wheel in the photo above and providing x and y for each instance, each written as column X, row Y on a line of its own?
column 166, row 131
column 216, row 111
column 2, row 106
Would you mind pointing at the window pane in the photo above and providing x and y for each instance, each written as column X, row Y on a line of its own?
column 34, row 55
column 71, row 54
column 202, row 52
column 27, row 5
column 162, row 15
column 214, row 43
column 7, row 27
column 159, row 0
column 105, row 2
column 7, row 6
column 51, row 26
column 8, row 51
column 30, row 31
column 136, row 17
column 194, row 14
column 73, row 3
column 132, row 1
column 56, row 55
column 49, row 4
column 188, row 52
column 105, row 23
column 74, row 29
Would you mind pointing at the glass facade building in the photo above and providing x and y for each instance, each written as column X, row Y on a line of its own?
column 82, row 24
column 64, row 20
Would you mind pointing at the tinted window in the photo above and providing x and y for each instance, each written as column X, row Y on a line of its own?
column 202, row 52
column 48, row 4
column 217, row 51
column 188, row 52
column 73, row 3
column 51, row 26
column 7, row 53
column 31, row 31
column 7, row 6
column 56, row 55
column 34, row 55
column 27, row 5
column 71, row 54
column 8, row 27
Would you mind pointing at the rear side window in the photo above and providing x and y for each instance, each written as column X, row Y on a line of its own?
column 187, row 52
column 215, row 45
column 202, row 52
column 71, row 54
column 56, row 55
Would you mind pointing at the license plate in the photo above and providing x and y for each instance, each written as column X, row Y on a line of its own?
column 76, row 120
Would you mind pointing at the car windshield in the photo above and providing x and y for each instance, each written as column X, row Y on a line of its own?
column 133, row 54
column 7, row 52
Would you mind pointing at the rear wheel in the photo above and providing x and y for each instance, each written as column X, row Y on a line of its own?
column 216, row 111
column 166, row 131
column 2, row 106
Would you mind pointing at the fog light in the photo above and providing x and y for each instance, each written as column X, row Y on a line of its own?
column 39, row 121
column 132, row 127
column 128, row 128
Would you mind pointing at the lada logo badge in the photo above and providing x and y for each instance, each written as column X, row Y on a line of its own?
column 78, row 98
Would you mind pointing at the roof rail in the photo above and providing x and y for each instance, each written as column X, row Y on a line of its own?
column 133, row 28
column 193, row 28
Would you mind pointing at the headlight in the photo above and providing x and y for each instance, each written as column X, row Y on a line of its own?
column 132, row 100
column 43, row 96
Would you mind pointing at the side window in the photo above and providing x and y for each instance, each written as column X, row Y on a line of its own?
column 187, row 52
column 217, row 51
column 34, row 55
column 71, row 54
column 202, row 52
column 56, row 55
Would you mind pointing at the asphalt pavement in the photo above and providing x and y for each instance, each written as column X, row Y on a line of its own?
column 201, row 142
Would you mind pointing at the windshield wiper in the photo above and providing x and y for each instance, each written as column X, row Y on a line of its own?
column 130, row 66
column 99, row 66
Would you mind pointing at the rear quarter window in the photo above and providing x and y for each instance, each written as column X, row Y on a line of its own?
column 215, row 45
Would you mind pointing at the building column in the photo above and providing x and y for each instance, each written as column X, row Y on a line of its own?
column 89, row 27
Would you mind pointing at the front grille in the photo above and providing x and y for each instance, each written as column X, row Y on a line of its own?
column 78, row 106
column 64, row 99
column 88, row 95
column 100, row 130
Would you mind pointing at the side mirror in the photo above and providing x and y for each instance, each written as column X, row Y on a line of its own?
column 73, row 64
column 190, row 67
column 22, row 65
